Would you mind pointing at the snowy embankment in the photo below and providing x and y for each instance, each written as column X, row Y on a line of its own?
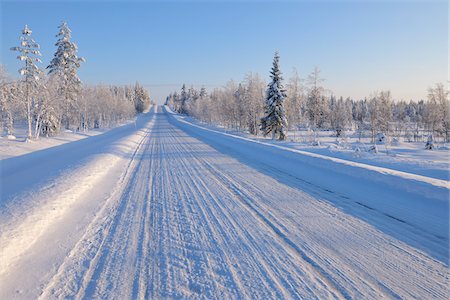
column 17, row 145
column 413, row 208
column 59, row 185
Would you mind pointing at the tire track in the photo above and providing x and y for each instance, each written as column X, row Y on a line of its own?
column 191, row 222
column 68, row 280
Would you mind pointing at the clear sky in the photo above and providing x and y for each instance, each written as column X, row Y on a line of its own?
column 360, row 46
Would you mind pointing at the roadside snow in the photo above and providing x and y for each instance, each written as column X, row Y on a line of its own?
column 410, row 176
column 411, row 207
column 402, row 156
column 11, row 146
column 60, row 184
column 166, row 209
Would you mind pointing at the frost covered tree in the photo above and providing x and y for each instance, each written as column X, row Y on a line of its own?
column 385, row 111
column 400, row 118
column 437, row 115
column 359, row 115
column 339, row 115
column 228, row 111
column 29, row 53
column 141, row 98
column 254, row 98
column 274, row 120
column 380, row 113
column 48, row 110
column 183, row 100
column 316, row 106
column 191, row 101
column 200, row 106
column 64, row 67
column 8, row 96
column 294, row 101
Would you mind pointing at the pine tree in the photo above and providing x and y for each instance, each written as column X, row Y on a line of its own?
column 29, row 52
column 183, row 100
column 274, row 120
column 64, row 66
column 141, row 98
column 203, row 93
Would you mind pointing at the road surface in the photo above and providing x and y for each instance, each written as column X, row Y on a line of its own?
column 183, row 220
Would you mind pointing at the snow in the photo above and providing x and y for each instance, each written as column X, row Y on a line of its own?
column 15, row 145
column 43, row 189
column 419, row 201
column 409, row 157
column 414, row 177
column 170, row 209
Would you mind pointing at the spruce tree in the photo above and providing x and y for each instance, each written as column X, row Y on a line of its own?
column 141, row 98
column 64, row 67
column 29, row 52
column 274, row 120
column 183, row 100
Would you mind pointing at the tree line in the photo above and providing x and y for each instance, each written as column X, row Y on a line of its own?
column 56, row 100
column 308, row 105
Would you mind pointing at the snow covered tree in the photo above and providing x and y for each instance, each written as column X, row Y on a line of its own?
column 254, row 99
column 438, row 115
column 183, row 100
column 48, row 110
column 400, row 118
column 29, row 53
column 339, row 115
column 203, row 93
column 230, row 106
column 141, row 98
column 294, row 101
column 316, row 106
column 360, row 112
column 192, row 96
column 200, row 107
column 274, row 120
column 64, row 66
column 385, row 111
column 380, row 113
column 173, row 101
column 8, row 95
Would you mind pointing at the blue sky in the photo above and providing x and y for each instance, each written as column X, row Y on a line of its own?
column 360, row 46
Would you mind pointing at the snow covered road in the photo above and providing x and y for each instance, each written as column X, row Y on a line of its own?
column 171, row 216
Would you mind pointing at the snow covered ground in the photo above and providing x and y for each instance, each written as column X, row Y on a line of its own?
column 17, row 145
column 165, row 208
column 409, row 157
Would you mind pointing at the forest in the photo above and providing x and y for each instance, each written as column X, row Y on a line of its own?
column 50, row 101
column 308, row 105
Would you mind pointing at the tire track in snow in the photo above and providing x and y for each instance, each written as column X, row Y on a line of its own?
column 190, row 236
column 78, row 265
column 433, row 286
column 191, row 222
column 239, row 195
column 189, row 168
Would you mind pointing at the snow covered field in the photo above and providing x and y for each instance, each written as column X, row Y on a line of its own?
column 10, row 147
column 411, row 157
column 165, row 208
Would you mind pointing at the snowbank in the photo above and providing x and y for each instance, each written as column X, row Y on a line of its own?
column 43, row 187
